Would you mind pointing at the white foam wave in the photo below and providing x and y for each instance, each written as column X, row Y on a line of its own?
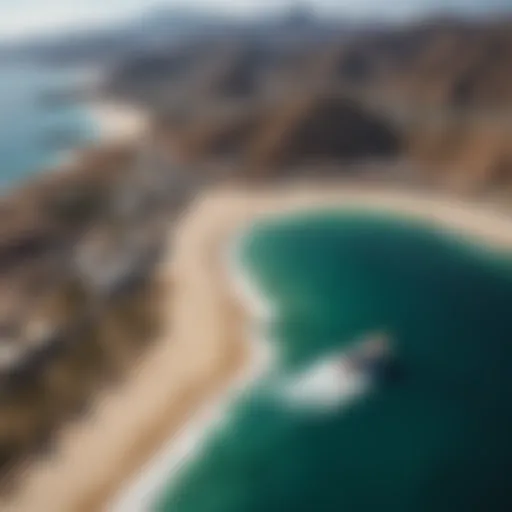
column 141, row 493
column 326, row 385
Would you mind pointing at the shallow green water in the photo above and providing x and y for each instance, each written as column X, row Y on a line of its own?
column 436, row 438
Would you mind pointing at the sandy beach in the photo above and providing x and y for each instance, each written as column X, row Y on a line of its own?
column 204, row 354
column 118, row 122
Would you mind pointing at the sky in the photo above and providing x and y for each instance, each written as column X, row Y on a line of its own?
column 22, row 18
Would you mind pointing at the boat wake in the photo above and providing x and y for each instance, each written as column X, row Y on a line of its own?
column 338, row 379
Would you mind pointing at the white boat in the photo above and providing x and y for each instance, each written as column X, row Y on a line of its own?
column 340, row 378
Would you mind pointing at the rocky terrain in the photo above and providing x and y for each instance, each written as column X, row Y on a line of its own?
column 78, row 300
column 441, row 89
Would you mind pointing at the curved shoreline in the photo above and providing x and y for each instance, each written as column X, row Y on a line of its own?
column 139, row 494
column 196, row 362
column 117, row 122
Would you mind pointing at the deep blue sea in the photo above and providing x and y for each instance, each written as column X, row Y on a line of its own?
column 435, row 435
column 36, row 133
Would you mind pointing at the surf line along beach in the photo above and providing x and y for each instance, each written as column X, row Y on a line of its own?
column 51, row 114
column 115, row 124
column 118, row 122
column 140, row 492
column 205, row 351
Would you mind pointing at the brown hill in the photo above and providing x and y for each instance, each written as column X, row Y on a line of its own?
column 231, row 70
column 148, row 76
column 45, row 210
column 465, row 69
column 193, row 74
column 321, row 128
column 220, row 139
column 267, row 107
column 309, row 129
column 466, row 153
column 445, row 64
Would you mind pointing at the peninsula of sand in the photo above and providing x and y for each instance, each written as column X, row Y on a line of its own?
column 140, row 432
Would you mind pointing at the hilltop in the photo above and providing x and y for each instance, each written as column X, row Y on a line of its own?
column 441, row 89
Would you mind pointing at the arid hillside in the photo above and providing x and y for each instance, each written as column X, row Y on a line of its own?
column 436, row 94
column 441, row 65
column 307, row 129
column 320, row 129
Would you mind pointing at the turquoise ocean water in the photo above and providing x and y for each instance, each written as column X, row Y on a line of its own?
column 436, row 437
column 29, row 125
